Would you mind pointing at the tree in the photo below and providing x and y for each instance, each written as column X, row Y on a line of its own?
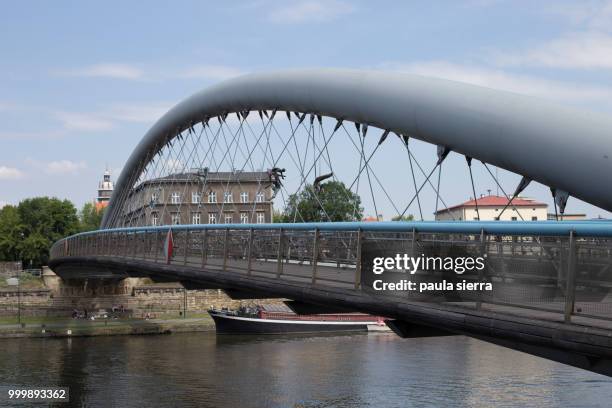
column 45, row 220
column 90, row 217
column 330, row 201
column 11, row 231
column 408, row 217
column 277, row 216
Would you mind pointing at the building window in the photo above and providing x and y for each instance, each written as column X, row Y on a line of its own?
column 154, row 219
column 176, row 218
column 513, row 218
column 195, row 197
column 196, row 218
column 244, row 218
column 534, row 218
column 261, row 217
column 260, row 198
column 154, row 198
column 175, row 198
column 244, row 197
column 228, row 197
column 229, row 218
column 212, row 218
column 212, row 197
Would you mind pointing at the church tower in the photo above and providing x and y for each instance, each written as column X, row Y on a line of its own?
column 105, row 190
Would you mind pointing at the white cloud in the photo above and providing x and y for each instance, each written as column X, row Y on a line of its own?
column 19, row 135
column 590, row 14
column 316, row 11
column 567, row 92
column 136, row 112
column 214, row 72
column 64, row 167
column 3, row 203
column 108, row 70
column 83, row 121
column 588, row 44
column 582, row 50
column 130, row 72
column 10, row 173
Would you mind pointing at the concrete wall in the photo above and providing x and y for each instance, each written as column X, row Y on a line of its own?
column 137, row 295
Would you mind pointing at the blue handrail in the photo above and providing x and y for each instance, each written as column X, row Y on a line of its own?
column 536, row 228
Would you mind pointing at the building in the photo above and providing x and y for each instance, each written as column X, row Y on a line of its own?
column 567, row 217
column 105, row 191
column 371, row 218
column 202, row 197
column 490, row 207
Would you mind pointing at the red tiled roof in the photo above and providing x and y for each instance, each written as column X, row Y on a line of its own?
column 497, row 201
column 370, row 219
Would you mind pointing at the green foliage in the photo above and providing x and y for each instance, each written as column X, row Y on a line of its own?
column 408, row 217
column 331, row 199
column 11, row 231
column 28, row 230
column 90, row 217
column 277, row 216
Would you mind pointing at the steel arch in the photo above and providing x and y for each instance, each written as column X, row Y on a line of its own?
column 564, row 148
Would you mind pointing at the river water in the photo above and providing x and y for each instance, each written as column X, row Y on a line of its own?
column 375, row 370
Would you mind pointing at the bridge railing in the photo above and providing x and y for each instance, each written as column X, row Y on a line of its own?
column 562, row 269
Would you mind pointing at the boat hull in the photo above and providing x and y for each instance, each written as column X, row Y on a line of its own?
column 227, row 324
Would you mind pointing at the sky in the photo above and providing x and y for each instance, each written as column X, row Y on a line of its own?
column 81, row 82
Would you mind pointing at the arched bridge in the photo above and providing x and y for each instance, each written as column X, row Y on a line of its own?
column 283, row 142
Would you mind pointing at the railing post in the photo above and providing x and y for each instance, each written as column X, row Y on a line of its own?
column 156, row 245
column 135, row 244
column 186, row 247
column 315, row 255
column 279, row 255
column 250, row 252
column 145, row 249
column 225, row 248
column 204, row 248
column 570, row 286
column 358, row 263
column 483, row 253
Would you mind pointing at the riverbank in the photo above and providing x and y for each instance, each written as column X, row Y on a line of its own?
column 60, row 327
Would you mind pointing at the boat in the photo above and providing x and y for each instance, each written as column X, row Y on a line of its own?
column 274, row 319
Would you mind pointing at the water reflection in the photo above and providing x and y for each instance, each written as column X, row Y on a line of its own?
column 308, row 371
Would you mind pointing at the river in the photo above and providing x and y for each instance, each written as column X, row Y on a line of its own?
column 376, row 370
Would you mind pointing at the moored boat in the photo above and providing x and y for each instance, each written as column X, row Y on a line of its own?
column 262, row 320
